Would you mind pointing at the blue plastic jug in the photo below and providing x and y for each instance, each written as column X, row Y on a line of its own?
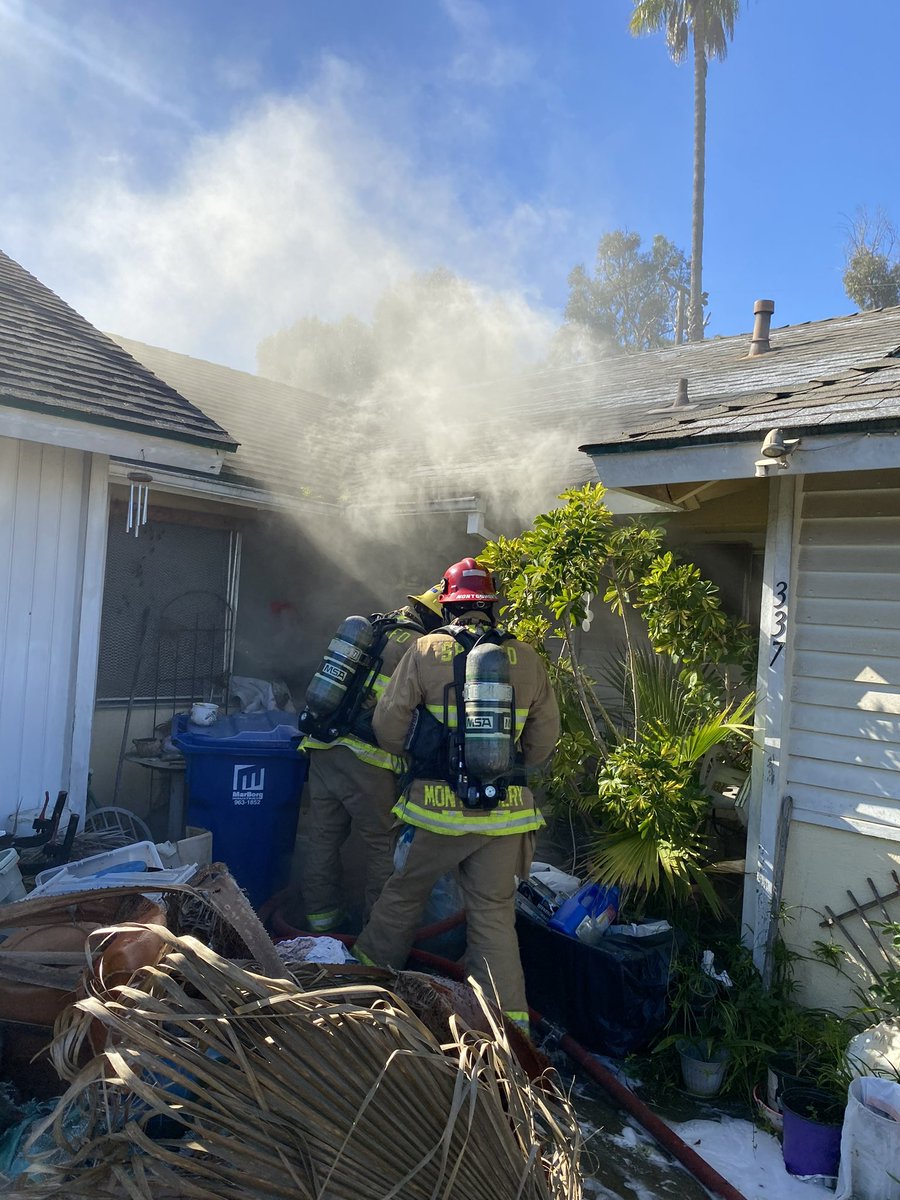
column 589, row 903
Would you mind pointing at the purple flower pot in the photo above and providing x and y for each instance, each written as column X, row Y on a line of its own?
column 812, row 1137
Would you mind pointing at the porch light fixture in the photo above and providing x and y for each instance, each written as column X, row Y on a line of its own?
column 775, row 450
column 138, row 496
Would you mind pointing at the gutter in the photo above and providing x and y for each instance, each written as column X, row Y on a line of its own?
column 177, row 483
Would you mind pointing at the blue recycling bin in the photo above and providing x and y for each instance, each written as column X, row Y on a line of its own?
column 244, row 776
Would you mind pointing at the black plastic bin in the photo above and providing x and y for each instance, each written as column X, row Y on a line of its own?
column 611, row 997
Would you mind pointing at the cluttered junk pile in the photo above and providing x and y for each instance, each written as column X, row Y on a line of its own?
column 158, row 1044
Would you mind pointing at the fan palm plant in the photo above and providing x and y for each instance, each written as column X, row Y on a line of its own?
column 709, row 24
column 649, row 804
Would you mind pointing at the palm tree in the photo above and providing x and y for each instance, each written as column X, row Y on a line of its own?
column 709, row 24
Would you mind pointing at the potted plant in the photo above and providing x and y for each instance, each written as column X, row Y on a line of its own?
column 813, row 1119
column 704, row 1063
column 811, row 1051
column 700, row 1028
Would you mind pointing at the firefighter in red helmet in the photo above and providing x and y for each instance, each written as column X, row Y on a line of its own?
column 353, row 781
column 484, row 827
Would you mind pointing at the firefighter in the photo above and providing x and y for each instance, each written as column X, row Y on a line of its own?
column 491, row 842
column 353, row 781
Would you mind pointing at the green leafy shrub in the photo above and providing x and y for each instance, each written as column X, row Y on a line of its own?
column 758, row 1025
column 630, row 771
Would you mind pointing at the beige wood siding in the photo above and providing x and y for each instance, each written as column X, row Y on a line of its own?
column 844, row 748
column 48, row 565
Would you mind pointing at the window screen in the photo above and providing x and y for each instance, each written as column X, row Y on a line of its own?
column 166, row 633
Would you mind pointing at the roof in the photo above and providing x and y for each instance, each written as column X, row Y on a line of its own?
column 298, row 444
column 865, row 397
column 54, row 361
column 288, row 445
column 608, row 404
column 841, row 372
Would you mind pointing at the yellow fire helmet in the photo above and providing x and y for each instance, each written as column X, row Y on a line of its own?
column 431, row 599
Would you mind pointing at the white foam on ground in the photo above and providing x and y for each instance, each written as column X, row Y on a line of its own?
column 748, row 1158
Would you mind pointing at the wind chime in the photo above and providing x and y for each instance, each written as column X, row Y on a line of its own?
column 587, row 597
column 138, row 496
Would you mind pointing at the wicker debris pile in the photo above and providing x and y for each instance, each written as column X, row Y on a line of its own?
column 205, row 1077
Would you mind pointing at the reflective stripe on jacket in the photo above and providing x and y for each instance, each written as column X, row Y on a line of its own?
column 397, row 643
column 421, row 678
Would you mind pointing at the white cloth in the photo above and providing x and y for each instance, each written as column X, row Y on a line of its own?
column 259, row 695
column 314, row 949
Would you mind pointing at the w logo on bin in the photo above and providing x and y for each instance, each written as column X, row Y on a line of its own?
column 249, row 782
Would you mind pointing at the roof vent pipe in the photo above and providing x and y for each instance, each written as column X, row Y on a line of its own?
column 681, row 399
column 762, row 319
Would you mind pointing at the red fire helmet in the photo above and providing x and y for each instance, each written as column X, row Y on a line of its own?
column 468, row 582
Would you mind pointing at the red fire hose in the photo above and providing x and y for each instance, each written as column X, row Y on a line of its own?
column 623, row 1096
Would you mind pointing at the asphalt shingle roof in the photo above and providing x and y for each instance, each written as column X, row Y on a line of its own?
column 615, row 400
column 288, row 444
column 832, row 372
column 54, row 361
column 291, row 444
column 864, row 397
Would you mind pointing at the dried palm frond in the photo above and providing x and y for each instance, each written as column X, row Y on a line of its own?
column 270, row 1091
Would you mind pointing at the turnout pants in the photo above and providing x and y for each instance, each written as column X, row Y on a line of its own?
column 344, row 789
column 487, row 866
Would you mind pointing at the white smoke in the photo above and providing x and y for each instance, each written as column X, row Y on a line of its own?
column 301, row 205
column 311, row 204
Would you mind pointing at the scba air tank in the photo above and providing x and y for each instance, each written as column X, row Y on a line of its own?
column 488, row 707
column 347, row 655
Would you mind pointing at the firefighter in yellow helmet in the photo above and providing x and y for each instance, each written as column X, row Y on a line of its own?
column 486, row 831
column 353, row 781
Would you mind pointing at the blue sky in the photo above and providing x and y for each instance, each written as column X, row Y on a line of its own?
column 199, row 174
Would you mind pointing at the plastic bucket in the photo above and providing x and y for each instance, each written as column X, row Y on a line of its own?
column 701, row 1069
column 811, row 1146
column 11, row 885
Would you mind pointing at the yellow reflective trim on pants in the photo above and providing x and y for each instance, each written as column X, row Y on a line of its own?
column 324, row 920
column 455, row 822
column 518, row 1018
column 363, row 958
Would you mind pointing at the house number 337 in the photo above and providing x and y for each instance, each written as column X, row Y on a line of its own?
column 779, row 614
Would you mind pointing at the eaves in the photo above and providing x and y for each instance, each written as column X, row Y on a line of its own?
column 672, row 442
column 188, row 483
column 91, row 416
column 846, row 447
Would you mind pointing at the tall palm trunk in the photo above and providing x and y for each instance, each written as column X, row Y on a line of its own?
column 696, row 315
